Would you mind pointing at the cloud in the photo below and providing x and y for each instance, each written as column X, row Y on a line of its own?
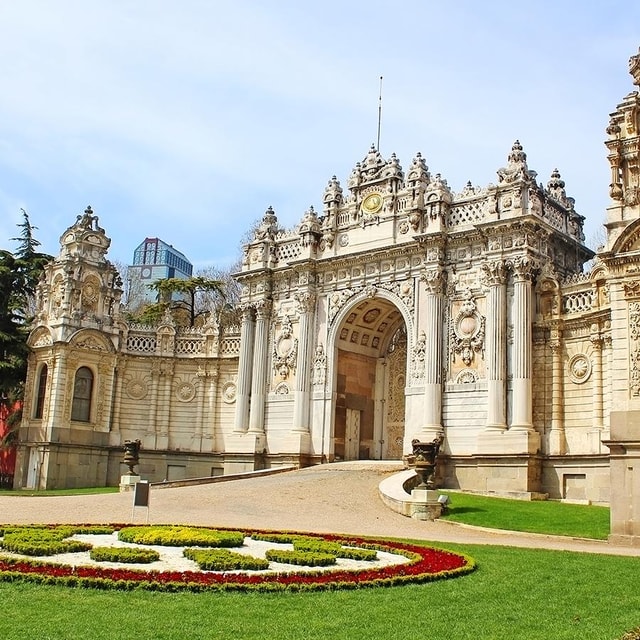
column 186, row 120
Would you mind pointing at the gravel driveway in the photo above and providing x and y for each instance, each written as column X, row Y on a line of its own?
column 333, row 498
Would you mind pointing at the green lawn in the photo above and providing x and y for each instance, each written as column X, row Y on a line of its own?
column 26, row 493
column 515, row 594
column 582, row 521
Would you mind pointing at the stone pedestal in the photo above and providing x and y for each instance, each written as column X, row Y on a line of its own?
column 128, row 482
column 298, row 442
column 513, row 441
column 246, row 442
column 424, row 504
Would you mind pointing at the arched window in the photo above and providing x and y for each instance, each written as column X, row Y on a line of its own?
column 82, row 388
column 41, row 392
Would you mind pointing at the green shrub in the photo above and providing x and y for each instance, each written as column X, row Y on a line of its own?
column 280, row 538
column 171, row 536
column 303, row 558
column 124, row 554
column 334, row 548
column 41, row 541
column 357, row 553
column 224, row 560
column 314, row 544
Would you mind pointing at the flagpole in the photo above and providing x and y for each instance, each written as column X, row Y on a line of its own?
column 379, row 113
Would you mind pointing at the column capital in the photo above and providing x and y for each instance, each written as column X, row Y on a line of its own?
column 523, row 268
column 494, row 272
column 263, row 308
column 555, row 340
column 305, row 302
column 435, row 280
column 247, row 310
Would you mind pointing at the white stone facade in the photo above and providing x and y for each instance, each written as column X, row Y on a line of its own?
column 402, row 310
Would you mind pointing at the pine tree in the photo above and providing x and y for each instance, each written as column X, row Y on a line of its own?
column 19, row 276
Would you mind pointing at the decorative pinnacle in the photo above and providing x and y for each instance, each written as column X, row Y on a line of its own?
column 634, row 68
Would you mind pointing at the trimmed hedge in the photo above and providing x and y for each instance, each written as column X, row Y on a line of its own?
column 301, row 558
column 225, row 560
column 133, row 555
column 334, row 548
column 42, row 541
column 172, row 536
column 423, row 564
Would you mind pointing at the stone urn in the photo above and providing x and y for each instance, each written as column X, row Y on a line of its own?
column 131, row 450
column 425, row 461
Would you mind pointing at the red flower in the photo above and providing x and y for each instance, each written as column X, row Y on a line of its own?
column 425, row 564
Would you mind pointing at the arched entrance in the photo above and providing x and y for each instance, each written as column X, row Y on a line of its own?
column 369, row 410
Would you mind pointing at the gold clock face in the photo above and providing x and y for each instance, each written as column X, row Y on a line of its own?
column 372, row 203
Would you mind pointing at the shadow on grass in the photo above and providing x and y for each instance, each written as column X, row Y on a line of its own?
column 454, row 511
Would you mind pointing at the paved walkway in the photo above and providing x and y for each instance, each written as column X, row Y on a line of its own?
column 335, row 498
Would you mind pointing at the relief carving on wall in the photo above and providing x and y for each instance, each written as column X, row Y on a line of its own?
column 229, row 392
column 89, row 295
column 404, row 291
column 634, row 348
column 185, row 391
column 466, row 330
column 90, row 342
column 467, row 376
column 337, row 300
column 285, row 350
column 579, row 368
column 319, row 366
column 418, row 356
column 136, row 388
column 631, row 289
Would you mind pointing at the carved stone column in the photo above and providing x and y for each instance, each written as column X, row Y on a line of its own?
column 435, row 281
column 557, row 438
column 260, row 357
column 245, row 368
column 522, row 419
column 306, row 309
column 597, row 342
column 496, row 340
column 61, row 389
column 114, row 438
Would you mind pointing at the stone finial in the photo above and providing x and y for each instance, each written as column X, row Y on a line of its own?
column 517, row 166
column 634, row 68
column 555, row 186
column 393, row 168
column 268, row 227
column 309, row 228
column 418, row 172
column 333, row 191
column 517, row 155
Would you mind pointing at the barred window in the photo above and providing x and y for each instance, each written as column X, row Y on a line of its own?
column 82, row 389
column 41, row 392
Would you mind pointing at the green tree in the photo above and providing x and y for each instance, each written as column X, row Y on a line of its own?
column 19, row 275
column 194, row 292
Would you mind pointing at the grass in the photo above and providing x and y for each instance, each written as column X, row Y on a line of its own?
column 30, row 493
column 516, row 594
column 557, row 518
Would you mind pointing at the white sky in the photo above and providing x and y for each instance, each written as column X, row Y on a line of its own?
column 186, row 119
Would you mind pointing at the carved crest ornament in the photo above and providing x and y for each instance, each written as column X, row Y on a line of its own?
column 467, row 330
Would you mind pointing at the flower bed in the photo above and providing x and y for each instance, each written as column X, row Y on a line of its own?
column 416, row 564
column 125, row 555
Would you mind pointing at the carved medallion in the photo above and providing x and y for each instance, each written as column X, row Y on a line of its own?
column 579, row 368
column 136, row 389
column 185, row 392
column 229, row 391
